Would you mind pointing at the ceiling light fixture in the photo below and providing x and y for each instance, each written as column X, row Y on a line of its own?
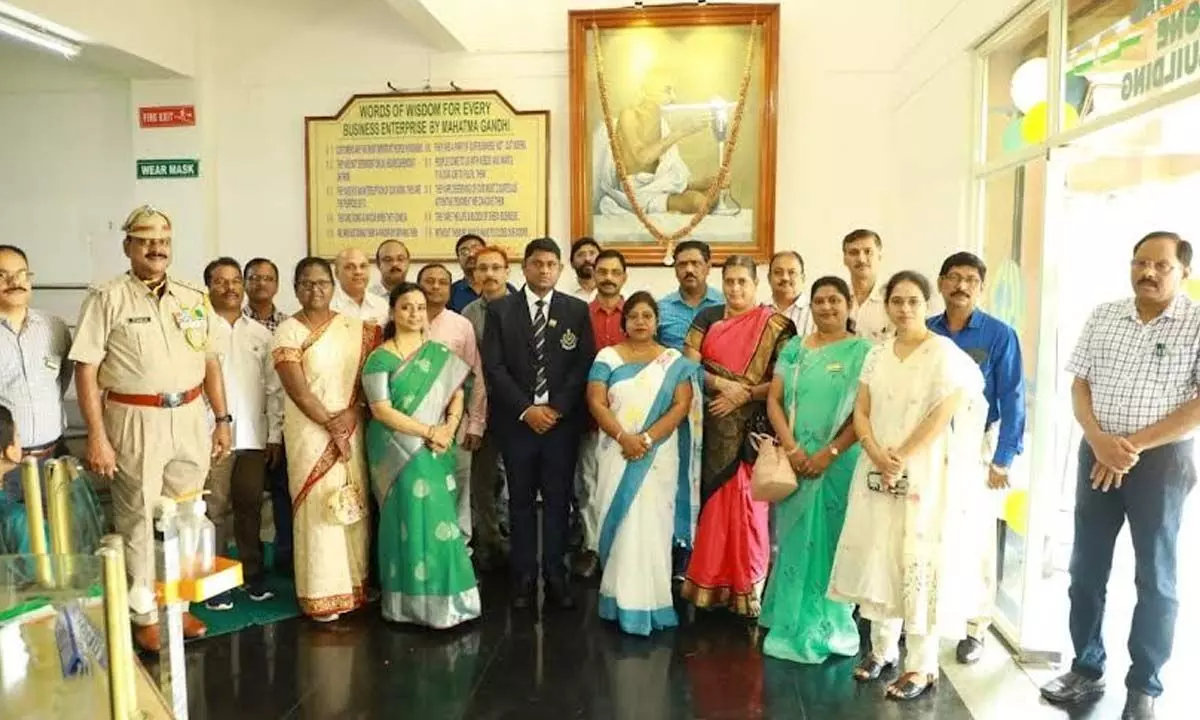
column 37, row 36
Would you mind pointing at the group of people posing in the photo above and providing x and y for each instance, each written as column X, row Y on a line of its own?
column 396, row 416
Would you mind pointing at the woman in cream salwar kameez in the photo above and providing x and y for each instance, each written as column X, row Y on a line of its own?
column 319, row 354
column 907, row 554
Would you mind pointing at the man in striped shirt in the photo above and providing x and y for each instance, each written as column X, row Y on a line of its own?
column 34, row 369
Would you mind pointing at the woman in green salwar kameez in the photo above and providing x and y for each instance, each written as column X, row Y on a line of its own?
column 414, row 387
column 816, row 379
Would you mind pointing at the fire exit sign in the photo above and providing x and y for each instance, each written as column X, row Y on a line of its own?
column 168, row 169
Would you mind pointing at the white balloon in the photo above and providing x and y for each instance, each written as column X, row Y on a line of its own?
column 1031, row 84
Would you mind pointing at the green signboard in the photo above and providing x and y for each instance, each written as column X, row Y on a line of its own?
column 163, row 169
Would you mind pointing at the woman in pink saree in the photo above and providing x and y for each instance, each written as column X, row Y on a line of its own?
column 737, row 344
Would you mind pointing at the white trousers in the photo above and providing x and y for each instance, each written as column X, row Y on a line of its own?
column 586, row 497
column 922, row 649
column 462, row 477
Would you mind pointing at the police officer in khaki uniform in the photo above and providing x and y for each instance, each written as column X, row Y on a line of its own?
column 142, row 363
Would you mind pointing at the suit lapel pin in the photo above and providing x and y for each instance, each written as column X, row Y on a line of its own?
column 569, row 341
column 553, row 322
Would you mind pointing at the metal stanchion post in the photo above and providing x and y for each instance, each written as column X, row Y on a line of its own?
column 121, row 669
column 172, row 671
column 58, row 510
column 36, row 519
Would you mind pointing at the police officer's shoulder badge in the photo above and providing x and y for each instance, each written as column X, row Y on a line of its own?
column 569, row 340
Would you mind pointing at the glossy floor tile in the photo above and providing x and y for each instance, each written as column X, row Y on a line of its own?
column 517, row 666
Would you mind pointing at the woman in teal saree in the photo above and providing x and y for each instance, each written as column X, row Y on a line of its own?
column 810, row 403
column 414, row 387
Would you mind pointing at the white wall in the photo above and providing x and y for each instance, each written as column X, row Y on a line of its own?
column 874, row 125
column 67, row 160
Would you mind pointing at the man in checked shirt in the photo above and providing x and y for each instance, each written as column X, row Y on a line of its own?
column 1136, row 374
column 34, row 374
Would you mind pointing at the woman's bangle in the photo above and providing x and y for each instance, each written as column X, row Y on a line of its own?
column 620, row 434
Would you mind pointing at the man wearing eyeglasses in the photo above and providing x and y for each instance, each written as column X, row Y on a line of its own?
column 34, row 375
column 142, row 360
column 995, row 346
column 262, row 285
column 1137, row 374
column 467, row 289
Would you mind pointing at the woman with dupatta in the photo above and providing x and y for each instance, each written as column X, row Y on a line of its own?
column 909, row 554
column 414, row 387
column 318, row 354
column 737, row 344
column 810, row 404
column 646, row 400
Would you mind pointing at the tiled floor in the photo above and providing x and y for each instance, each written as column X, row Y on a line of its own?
column 511, row 666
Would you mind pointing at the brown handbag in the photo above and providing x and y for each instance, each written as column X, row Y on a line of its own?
column 773, row 478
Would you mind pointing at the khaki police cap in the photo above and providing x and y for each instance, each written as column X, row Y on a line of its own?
column 148, row 223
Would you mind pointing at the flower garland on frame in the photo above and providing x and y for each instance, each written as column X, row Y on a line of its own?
column 719, row 181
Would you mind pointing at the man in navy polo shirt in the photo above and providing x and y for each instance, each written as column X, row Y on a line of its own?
column 995, row 346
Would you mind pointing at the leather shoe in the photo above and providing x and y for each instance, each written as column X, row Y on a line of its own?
column 524, row 594
column 969, row 651
column 147, row 638
column 1138, row 707
column 1072, row 688
column 586, row 563
column 193, row 627
column 558, row 597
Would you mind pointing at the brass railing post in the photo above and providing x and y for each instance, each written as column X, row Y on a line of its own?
column 121, row 668
column 36, row 520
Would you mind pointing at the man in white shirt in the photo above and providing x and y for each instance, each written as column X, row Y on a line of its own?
column 788, row 297
column 392, row 259
column 350, row 297
column 583, row 261
column 254, row 398
column 862, row 252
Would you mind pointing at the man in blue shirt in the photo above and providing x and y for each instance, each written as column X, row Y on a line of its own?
column 466, row 289
column 995, row 346
column 677, row 310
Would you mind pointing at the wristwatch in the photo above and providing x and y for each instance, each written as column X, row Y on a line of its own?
column 227, row 419
column 834, row 451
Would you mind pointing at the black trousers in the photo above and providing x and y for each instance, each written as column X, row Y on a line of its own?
column 544, row 463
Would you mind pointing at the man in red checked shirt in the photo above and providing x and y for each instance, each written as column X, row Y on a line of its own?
column 605, row 311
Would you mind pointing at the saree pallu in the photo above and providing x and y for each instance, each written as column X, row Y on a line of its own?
column 649, row 504
column 330, row 558
column 424, row 567
column 819, row 390
column 732, row 549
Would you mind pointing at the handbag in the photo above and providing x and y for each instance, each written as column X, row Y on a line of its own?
column 773, row 479
column 344, row 506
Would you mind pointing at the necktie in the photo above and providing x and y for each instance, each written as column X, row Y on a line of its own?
column 539, row 348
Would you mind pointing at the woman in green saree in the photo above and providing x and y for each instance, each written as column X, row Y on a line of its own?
column 414, row 387
column 810, row 404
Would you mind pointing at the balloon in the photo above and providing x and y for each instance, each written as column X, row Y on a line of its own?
column 1070, row 117
column 1016, row 511
column 1030, row 84
column 1034, row 124
column 1011, row 140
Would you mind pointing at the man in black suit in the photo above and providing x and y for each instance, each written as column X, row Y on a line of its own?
column 537, row 351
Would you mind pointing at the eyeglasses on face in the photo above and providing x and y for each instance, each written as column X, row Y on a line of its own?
column 20, row 277
column 310, row 285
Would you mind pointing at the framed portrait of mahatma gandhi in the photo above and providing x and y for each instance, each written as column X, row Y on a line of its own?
column 673, row 128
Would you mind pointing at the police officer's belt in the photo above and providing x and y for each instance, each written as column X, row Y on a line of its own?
column 164, row 400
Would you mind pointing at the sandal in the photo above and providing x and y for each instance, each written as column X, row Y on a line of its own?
column 906, row 688
column 871, row 668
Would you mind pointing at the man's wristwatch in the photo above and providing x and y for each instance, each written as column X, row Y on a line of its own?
column 833, row 450
column 227, row 419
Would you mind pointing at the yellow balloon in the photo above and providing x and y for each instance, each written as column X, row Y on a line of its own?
column 1016, row 511
column 1037, row 121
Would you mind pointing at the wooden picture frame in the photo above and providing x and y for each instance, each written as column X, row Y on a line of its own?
column 648, row 72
